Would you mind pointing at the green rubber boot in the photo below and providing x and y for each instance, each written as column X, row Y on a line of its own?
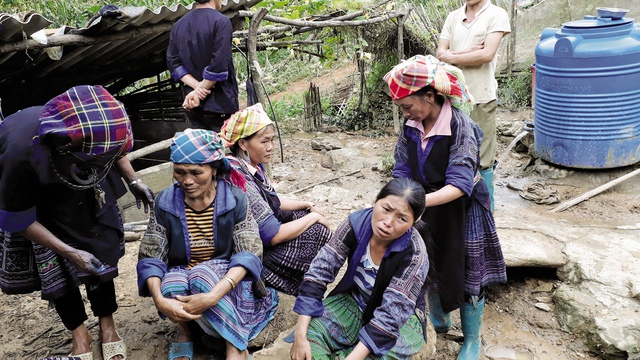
column 487, row 175
column 471, row 319
column 441, row 321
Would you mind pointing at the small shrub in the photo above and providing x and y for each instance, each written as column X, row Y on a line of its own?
column 388, row 162
column 514, row 92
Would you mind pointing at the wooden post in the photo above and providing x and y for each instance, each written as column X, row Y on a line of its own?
column 254, row 65
column 401, row 20
column 252, row 56
column 312, row 109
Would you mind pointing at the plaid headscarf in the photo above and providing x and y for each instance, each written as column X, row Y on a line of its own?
column 244, row 123
column 88, row 122
column 419, row 71
column 196, row 146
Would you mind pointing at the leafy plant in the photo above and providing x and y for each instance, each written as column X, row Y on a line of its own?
column 514, row 92
column 388, row 161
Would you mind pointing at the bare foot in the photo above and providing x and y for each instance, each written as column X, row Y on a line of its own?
column 80, row 340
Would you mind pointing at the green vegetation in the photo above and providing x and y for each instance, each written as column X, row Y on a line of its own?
column 514, row 92
column 387, row 164
column 372, row 48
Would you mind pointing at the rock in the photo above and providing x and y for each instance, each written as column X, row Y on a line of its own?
column 543, row 287
column 337, row 196
column 523, row 247
column 543, row 307
column 428, row 349
column 347, row 159
column 284, row 319
column 326, row 144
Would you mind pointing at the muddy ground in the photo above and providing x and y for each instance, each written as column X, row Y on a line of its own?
column 512, row 324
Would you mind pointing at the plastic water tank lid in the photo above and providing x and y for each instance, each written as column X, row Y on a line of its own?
column 613, row 13
column 591, row 21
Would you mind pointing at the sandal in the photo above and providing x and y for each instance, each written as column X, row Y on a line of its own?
column 109, row 350
column 85, row 356
column 181, row 350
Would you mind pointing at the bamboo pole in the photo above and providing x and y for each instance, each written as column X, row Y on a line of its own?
column 149, row 149
column 594, row 192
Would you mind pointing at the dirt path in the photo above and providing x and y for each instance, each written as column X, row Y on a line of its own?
column 512, row 323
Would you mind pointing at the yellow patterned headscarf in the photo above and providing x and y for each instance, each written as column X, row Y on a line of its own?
column 419, row 71
column 244, row 123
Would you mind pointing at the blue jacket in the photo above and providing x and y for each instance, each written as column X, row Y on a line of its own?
column 398, row 291
column 166, row 241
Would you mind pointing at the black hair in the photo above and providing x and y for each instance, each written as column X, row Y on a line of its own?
column 407, row 189
column 202, row 1
column 222, row 166
column 439, row 98
column 414, row 193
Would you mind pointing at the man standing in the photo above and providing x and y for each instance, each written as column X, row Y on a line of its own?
column 469, row 40
column 199, row 55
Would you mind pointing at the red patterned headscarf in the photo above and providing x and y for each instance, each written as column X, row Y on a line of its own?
column 419, row 71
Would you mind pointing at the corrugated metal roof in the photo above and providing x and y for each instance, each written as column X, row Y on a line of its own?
column 125, row 45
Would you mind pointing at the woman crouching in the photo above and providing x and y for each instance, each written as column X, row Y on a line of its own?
column 378, row 307
column 200, row 258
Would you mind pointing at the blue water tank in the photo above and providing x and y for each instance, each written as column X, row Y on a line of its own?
column 587, row 93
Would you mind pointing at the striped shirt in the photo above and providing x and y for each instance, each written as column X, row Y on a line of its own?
column 364, row 279
column 200, row 227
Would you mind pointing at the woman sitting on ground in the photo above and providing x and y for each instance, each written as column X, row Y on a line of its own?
column 378, row 308
column 200, row 257
column 293, row 231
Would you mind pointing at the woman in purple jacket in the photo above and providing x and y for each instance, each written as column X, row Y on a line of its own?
column 378, row 308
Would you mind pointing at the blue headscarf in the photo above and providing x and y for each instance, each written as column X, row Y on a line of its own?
column 196, row 146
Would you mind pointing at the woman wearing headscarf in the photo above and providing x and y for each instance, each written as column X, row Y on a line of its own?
column 59, row 220
column 377, row 310
column 200, row 258
column 293, row 231
column 439, row 147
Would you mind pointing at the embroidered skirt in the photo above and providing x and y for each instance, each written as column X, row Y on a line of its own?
column 238, row 317
column 285, row 264
column 335, row 333
column 484, row 262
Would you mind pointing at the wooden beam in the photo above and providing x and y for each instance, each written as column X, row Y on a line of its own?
column 83, row 40
column 328, row 23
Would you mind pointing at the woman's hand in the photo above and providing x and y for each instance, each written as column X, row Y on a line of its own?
column 143, row 194
column 321, row 219
column 198, row 303
column 300, row 349
column 174, row 310
column 317, row 209
column 85, row 262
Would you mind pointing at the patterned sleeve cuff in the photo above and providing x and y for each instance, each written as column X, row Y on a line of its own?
column 17, row 221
